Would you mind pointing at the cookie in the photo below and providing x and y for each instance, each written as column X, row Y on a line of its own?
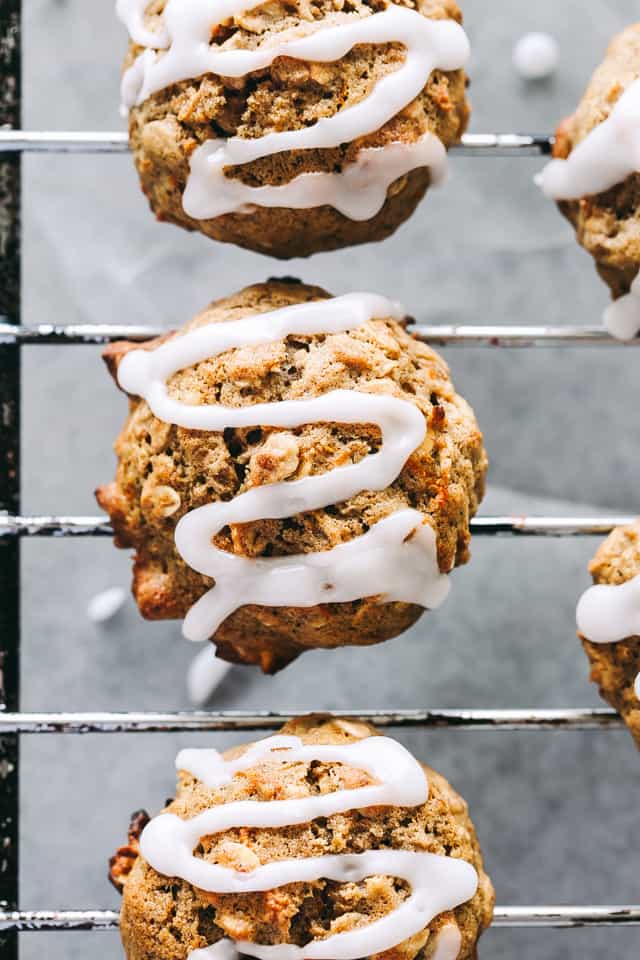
column 597, row 186
column 305, row 480
column 609, row 623
column 292, row 128
column 308, row 839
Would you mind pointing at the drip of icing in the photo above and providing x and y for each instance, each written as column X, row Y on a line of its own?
column 636, row 687
column 185, row 51
column 438, row 883
column 358, row 191
column 622, row 317
column 396, row 559
column 448, row 943
column 607, row 155
column 610, row 613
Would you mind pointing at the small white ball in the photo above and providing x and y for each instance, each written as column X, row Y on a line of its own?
column 535, row 56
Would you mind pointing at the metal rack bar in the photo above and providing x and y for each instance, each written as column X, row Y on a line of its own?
column 31, row 921
column 524, row 526
column 110, row 141
column 563, row 917
column 439, row 335
column 75, row 334
column 458, row 335
column 461, row 719
column 558, row 917
column 10, row 375
column 13, row 526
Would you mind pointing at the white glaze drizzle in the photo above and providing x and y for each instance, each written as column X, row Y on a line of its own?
column 358, row 191
column 402, row 779
column 438, row 883
column 224, row 949
column 607, row 155
column 395, row 560
column 608, row 613
column 185, row 52
column 448, row 943
column 622, row 317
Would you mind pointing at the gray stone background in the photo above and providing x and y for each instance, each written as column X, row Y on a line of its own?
column 556, row 813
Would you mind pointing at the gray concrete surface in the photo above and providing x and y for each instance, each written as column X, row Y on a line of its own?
column 556, row 813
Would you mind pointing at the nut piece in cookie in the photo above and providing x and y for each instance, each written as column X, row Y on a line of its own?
column 609, row 623
column 124, row 858
column 350, row 864
column 597, row 186
column 317, row 520
column 292, row 128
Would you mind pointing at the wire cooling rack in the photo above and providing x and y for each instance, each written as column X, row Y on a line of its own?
column 14, row 527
